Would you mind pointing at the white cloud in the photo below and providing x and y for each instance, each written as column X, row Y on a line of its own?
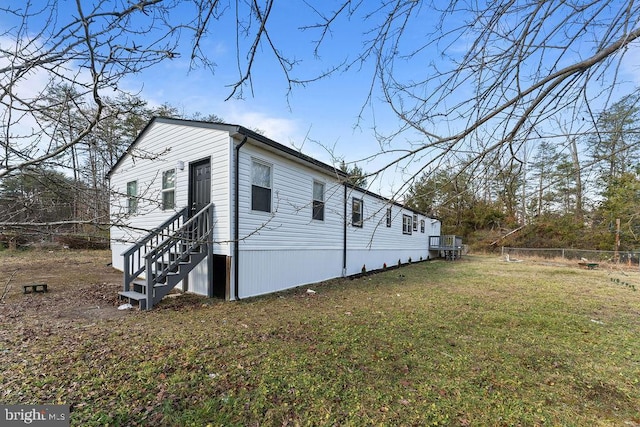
column 29, row 86
column 630, row 65
column 195, row 93
column 290, row 132
column 276, row 128
column 27, row 89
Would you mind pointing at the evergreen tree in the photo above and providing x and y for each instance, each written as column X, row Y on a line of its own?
column 553, row 176
column 36, row 195
column 615, row 147
column 357, row 176
column 621, row 201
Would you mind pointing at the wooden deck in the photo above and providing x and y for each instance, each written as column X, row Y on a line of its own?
column 448, row 246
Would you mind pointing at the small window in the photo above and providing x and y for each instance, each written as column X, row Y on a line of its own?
column 422, row 225
column 415, row 223
column 168, row 189
column 356, row 212
column 388, row 217
column 406, row 224
column 260, row 187
column 318, row 201
column 132, row 197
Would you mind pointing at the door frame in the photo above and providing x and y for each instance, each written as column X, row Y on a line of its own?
column 190, row 187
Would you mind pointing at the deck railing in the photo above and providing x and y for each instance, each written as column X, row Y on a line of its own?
column 448, row 246
column 446, row 242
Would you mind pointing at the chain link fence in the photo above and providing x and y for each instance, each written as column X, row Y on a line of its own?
column 628, row 258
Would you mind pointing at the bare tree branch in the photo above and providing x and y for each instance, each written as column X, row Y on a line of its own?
column 7, row 287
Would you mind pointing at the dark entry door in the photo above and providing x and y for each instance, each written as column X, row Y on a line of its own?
column 199, row 185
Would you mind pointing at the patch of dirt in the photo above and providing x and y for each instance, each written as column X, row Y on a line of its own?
column 96, row 302
column 82, row 286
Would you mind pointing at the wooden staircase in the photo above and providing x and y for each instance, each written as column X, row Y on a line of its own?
column 164, row 258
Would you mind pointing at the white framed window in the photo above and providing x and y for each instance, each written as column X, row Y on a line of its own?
column 356, row 212
column 168, row 189
column 422, row 225
column 132, row 197
column 318, row 201
column 407, row 224
column 415, row 223
column 388, row 217
column 261, row 181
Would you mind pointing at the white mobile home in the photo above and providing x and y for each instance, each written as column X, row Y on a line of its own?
column 224, row 211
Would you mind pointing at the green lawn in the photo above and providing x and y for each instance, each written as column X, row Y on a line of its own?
column 472, row 343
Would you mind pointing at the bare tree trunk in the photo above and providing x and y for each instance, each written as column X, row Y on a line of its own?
column 524, row 185
column 579, row 213
column 540, row 194
column 76, row 182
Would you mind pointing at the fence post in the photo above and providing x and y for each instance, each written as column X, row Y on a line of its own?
column 502, row 251
column 562, row 253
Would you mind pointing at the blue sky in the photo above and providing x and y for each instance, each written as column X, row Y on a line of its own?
column 327, row 115
column 323, row 116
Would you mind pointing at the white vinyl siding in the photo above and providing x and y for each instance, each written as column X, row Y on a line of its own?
column 375, row 245
column 165, row 145
column 290, row 224
column 279, row 249
column 287, row 248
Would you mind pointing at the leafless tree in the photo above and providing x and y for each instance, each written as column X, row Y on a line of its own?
column 88, row 51
column 484, row 76
column 504, row 68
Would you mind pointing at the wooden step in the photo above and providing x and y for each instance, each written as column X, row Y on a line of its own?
column 142, row 285
column 132, row 295
column 139, row 285
column 160, row 265
column 136, row 296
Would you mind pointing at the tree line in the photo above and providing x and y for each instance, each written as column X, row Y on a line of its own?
column 566, row 192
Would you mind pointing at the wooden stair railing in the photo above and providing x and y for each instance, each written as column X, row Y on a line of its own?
column 169, row 261
column 134, row 263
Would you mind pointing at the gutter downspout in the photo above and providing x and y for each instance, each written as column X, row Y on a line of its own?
column 236, row 225
column 344, row 233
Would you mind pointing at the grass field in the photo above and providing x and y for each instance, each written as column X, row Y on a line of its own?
column 478, row 342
